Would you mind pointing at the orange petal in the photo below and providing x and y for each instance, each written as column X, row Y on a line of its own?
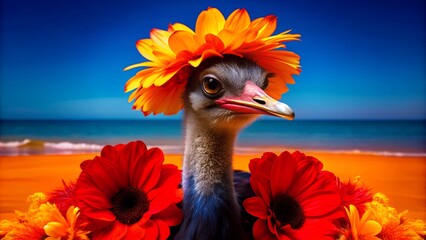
column 145, row 49
column 270, row 24
column 230, row 39
column 160, row 38
column 206, row 54
column 166, row 76
column 182, row 41
column 214, row 42
column 142, row 64
column 261, row 28
column 136, row 80
column 150, row 79
column 157, row 99
column 180, row 27
column 165, row 57
column 237, row 21
column 276, row 88
column 209, row 21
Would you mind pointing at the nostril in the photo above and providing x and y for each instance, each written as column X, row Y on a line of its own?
column 260, row 101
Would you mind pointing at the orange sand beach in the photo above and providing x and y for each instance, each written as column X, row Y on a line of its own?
column 402, row 179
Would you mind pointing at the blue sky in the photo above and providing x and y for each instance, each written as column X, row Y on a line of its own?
column 64, row 59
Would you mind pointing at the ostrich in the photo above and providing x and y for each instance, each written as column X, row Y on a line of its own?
column 222, row 96
column 219, row 74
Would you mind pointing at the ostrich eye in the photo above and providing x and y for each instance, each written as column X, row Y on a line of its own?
column 211, row 87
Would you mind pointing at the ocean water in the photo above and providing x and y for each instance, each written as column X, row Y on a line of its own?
column 398, row 138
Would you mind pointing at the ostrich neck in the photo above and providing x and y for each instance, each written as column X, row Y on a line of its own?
column 208, row 158
column 210, row 206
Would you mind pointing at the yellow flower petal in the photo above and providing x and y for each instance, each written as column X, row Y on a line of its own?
column 160, row 39
column 136, row 80
column 209, row 21
column 145, row 49
column 72, row 215
column 180, row 27
column 363, row 228
column 370, row 228
column 142, row 64
column 55, row 229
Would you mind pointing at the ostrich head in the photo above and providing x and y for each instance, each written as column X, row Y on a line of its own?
column 228, row 93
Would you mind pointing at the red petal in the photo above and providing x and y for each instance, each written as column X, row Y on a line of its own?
column 151, row 230
column 315, row 229
column 260, row 169
column 165, row 192
column 323, row 181
column 93, row 197
column 170, row 177
column 321, row 202
column 256, row 207
column 160, row 199
column 135, row 231
column 163, row 230
column 106, row 176
column 109, row 152
column 128, row 155
column 282, row 173
column 171, row 216
column 84, row 164
column 261, row 187
column 146, row 169
column 261, row 232
column 103, row 215
column 263, row 164
column 306, row 175
column 299, row 156
column 116, row 231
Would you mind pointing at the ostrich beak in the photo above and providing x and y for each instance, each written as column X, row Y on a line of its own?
column 253, row 100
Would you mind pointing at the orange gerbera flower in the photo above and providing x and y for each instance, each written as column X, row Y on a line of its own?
column 173, row 54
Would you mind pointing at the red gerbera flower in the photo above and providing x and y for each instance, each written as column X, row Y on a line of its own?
column 127, row 193
column 294, row 199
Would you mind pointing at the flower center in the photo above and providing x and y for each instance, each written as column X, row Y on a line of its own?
column 288, row 211
column 129, row 205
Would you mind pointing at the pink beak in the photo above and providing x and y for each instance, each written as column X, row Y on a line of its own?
column 254, row 100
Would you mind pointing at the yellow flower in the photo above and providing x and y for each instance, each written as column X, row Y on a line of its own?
column 364, row 228
column 29, row 225
column 61, row 227
column 173, row 54
column 395, row 226
column 43, row 220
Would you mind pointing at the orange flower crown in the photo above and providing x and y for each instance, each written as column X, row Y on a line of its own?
column 173, row 54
